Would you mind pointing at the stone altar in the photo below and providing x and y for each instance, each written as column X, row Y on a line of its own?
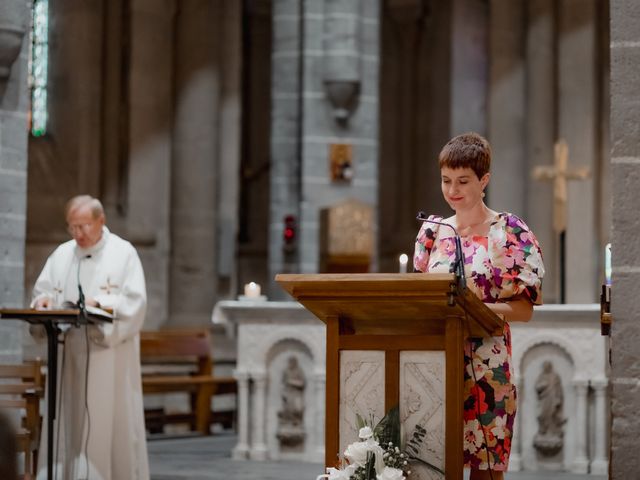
column 270, row 336
column 567, row 336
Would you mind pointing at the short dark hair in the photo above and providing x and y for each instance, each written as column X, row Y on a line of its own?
column 469, row 150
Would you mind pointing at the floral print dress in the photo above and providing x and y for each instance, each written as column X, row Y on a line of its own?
column 504, row 264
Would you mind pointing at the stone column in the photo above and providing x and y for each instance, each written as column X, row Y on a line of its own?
column 286, row 125
column 600, row 462
column 320, row 381
column 338, row 32
column 258, row 419
column 14, row 103
column 625, row 304
column 581, row 461
column 241, row 450
column 469, row 66
column 506, row 129
column 515, row 461
column 577, row 124
column 195, row 163
column 540, row 133
column 145, row 221
column 315, row 45
column 229, row 118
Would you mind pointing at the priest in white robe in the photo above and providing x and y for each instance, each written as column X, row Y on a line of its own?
column 100, row 431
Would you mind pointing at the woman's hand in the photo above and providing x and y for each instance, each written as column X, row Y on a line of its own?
column 516, row 309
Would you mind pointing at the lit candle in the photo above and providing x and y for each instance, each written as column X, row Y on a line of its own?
column 252, row 290
column 607, row 264
column 404, row 259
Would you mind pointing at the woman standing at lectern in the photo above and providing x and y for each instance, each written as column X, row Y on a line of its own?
column 503, row 266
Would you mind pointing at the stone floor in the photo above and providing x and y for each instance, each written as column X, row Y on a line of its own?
column 200, row 458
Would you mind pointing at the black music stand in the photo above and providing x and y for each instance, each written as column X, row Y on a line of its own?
column 51, row 320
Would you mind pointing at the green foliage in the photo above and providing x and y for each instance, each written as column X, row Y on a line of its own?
column 388, row 429
column 387, row 433
column 416, row 440
column 413, row 448
column 360, row 422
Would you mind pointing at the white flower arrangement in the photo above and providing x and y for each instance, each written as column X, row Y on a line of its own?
column 376, row 456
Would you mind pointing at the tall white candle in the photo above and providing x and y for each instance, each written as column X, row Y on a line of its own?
column 252, row 290
column 607, row 264
column 403, row 260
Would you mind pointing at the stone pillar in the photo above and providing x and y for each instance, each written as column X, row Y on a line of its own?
column 228, row 151
column 316, row 45
column 241, row 450
column 342, row 41
column 506, row 129
column 600, row 462
column 286, row 125
column 469, row 66
column 320, row 381
column 540, row 134
column 258, row 419
column 146, row 214
column 577, row 115
column 75, row 80
column 581, row 461
column 198, row 81
column 14, row 104
column 515, row 460
column 625, row 304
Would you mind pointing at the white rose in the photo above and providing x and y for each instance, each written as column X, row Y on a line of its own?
column 365, row 433
column 336, row 474
column 356, row 453
column 390, row 473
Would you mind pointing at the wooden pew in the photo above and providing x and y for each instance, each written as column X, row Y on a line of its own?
column 22, row 388
column 180, row 361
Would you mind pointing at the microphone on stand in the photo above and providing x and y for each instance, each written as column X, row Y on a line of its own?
column 458, row 265
column 82, row 306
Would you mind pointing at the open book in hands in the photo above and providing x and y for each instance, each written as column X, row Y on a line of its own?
column 99, row 312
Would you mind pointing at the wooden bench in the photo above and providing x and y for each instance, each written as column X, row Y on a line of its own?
column 180, row 361
column 22, row 388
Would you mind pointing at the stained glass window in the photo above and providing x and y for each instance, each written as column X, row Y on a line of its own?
column 38, row 66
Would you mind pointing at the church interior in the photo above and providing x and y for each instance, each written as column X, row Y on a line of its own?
column 234, row 140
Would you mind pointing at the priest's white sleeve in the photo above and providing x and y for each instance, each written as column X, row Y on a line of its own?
column 129, row 305
column 44, row 285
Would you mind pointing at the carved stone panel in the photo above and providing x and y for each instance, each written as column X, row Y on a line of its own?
column 361, row 391
column 422, row 402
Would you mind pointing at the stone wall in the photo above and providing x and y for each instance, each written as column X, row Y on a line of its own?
column 625, row 159
column 14, row 103
column 318, row 46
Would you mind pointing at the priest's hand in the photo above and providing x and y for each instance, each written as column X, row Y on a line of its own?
column 43, row 303
column 92, row 302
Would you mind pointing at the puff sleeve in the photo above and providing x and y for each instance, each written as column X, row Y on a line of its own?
column 424, row 244
column 520, row 261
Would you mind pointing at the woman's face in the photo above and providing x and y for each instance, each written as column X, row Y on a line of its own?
column 461, row 187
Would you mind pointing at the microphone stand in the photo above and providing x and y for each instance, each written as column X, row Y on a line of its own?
column 458, row 264
column 83, row 318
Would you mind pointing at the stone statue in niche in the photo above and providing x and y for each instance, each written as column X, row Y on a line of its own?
column 549, row 439
column 291, row 432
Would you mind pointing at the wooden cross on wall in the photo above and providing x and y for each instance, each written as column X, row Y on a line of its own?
column 560, row 173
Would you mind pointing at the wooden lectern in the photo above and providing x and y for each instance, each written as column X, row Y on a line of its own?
column 395, row 313
column 52, row 320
